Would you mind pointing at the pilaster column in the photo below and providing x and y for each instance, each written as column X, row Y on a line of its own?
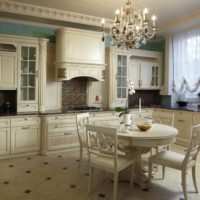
column 42, row 73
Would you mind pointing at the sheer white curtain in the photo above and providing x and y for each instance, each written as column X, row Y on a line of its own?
column 186, row 62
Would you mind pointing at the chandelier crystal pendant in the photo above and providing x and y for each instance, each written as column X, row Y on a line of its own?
column 131, row 27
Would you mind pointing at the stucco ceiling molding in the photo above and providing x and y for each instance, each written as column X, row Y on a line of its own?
column 49, row 13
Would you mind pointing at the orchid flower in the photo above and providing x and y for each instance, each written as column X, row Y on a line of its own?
column 131, row 89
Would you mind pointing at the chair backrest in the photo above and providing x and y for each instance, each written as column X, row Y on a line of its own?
column 102, row 141
column 81, row 121
column 194, row 145
column 166, row 118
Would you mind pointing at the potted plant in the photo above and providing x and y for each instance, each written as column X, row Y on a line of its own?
column 124, row 111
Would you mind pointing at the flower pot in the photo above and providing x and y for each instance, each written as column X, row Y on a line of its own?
column 182, row 103
column 127, row 119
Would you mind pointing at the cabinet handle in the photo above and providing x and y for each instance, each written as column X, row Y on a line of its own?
column 67, row 133
column 56, row 126
column 180, row 120
column 25, row 127
column 140, row 82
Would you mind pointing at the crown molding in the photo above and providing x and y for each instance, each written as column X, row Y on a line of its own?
column 50, row 13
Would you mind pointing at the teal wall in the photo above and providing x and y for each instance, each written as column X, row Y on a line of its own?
column 27, row 31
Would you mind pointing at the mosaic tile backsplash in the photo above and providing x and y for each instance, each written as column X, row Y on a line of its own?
column 74, row 93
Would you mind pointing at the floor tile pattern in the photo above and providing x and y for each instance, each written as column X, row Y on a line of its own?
column 57, row 177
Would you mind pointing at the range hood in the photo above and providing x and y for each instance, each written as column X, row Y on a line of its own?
column 79, row 53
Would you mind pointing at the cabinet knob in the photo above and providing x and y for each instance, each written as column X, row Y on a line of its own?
column 27, row 105
column 25, row 119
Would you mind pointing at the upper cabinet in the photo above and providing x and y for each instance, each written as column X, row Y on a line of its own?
column 141, row 67
column 28, row 78
column 79, row 53
column 145, row 74
column 8, row 67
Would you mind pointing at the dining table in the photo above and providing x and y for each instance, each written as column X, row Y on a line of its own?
column 138, row 142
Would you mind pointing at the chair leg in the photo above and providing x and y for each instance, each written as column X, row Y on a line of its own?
column 184, row 173
column 163, row 172
column 194, row 178
column 90, row 179
column 115, row 186
column 81, row 155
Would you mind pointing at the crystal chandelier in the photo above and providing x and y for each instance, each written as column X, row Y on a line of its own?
column 131, row 27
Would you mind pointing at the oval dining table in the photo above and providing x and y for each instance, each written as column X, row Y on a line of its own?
column 140, row 142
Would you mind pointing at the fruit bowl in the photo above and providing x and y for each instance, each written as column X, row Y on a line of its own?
column 144, row 127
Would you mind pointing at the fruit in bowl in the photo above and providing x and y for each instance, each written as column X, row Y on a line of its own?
column 144, row 127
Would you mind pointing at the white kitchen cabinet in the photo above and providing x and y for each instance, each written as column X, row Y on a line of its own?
column 183, row 122
column 118, row 69
column 4, row 141
column 25, row 139
column 4, row 136
column 59, row 133
column 141, row 67
column 28, row 78
column 25, row 134
column 145, row 75
column 8, row 70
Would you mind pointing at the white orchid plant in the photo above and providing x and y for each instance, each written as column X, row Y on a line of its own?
column 131, row 91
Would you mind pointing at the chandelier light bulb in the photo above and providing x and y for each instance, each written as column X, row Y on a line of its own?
column 117, row 12
column 153, row 18
column 102, row 21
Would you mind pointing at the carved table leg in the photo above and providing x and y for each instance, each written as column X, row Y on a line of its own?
column 139, row 176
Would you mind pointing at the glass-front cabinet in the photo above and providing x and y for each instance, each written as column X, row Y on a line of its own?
column 121, row 76
column 28, row 79
column 118, row 74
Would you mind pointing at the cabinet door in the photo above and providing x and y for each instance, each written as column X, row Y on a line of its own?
column 145, row 79
column 183, row 122
column 25, row 139
column 28, row 75
column 155, row 76
column 8, row 70
column 121, row 76
column 4, row 141
column 134, row 73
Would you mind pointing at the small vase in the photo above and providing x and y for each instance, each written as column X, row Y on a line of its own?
column 127, row 119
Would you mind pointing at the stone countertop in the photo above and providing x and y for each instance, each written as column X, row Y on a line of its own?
column 60, row 111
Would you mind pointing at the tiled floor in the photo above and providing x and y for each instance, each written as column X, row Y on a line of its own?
column 57, row 177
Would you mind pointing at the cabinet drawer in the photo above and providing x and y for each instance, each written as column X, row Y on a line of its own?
column 62, row 140
column 52, row 128
column 25, row 121
column 103, row 116
column 196, row 119
column 27, row 107
column 4, row 122
column 60, row 119
column 183, row 116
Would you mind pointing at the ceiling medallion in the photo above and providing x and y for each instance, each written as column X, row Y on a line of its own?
column 131, row 28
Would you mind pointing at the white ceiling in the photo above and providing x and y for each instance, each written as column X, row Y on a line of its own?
column 166, row 11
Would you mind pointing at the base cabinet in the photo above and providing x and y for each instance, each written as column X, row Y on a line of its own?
column 59, row 133
column 25, row 139
column 4, row 141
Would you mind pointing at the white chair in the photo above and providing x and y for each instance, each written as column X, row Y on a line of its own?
column 81, row 121
column 179, row 161
column 102, row 149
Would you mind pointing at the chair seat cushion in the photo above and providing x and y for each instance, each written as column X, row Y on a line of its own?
column 168, row 159
column 107, row 163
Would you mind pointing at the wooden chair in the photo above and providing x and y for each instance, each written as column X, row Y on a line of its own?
column 102, row 148
column 81, row 121
column 179, row 161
